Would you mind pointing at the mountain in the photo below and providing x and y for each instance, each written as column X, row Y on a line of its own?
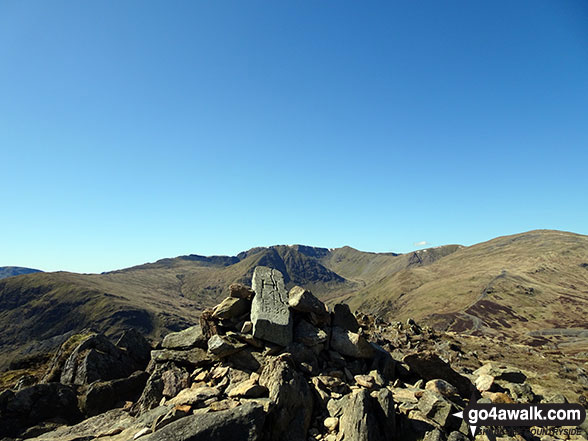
column 169, row 294
column 513, row 285
column 10, row 271
column 519, row 286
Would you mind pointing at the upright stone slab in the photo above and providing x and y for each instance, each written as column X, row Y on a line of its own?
column 271, row 317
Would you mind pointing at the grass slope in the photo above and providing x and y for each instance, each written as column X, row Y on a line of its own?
column 509, row 285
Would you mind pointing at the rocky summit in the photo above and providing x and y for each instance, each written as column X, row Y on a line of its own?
column 267, row 364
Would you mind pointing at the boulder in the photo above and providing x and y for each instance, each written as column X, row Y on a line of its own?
column 96, row 359
column 485, row 383
column 136, row 346
column 248, row 389
column 308, row 334
column 188, row 338
column 270, row 315
column 240, row 291
column 231, row 308
column 442, row 387
column 243, row 423
column 384, row 408
column 35, row 404
column 438, row 409
column 208, row 324
column 359, row 421
column 344, row 318
column 351, row 344
column 428, row 366
column 195, row 396
column 174, row 379
column 104, row 395
column 194, row 357
column 290, row 417
column 302, row 300
column 223, row 346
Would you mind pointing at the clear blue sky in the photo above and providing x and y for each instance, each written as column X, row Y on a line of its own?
column 136, row 130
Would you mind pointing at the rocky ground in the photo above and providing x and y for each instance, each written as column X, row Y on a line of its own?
column 267, row 364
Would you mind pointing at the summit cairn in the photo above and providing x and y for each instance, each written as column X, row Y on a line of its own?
column 270, row 315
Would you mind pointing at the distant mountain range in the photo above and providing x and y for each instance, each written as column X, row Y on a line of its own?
column 10, row 271
column 509, row 286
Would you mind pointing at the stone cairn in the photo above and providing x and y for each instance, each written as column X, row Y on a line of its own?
column 264, row 364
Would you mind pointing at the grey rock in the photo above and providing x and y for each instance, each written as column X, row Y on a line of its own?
column 96, row 359
column 522, row 393
column 153, row 391
column 223, row 346
column 429, row 366
column 359, row 421
column 102, row 396
column 302, row 300
column 136, row 346
column 194, row 357
column 438, row 409
column 485, row 383
column 195, row 396
column 240, row 291
column 244, row 423
column 344, row 318
column 188, row 338
column 35, row 404
column 270, row 315
column 308, row 334
column 385, row 412
column 247, row 360
column 351, row 344
column 230, row 308
column 442, row 387
column 290, row 417
column 174, row 380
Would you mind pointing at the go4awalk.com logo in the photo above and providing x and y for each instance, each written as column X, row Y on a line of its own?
column 521, row 415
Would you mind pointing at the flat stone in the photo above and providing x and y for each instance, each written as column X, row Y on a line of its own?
column 230, row 308
column 193, row 396
column 185, row 339
column 194, row 357
column 248, row 389
column 243, row 423
column 270, row 315
column 222, row 346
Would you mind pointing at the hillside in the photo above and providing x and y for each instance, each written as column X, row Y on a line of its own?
column 169, row 294
column 515, row 286
column 509, row 285
column 11, row 271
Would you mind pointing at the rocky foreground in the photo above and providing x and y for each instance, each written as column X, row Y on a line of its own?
column 264, row 364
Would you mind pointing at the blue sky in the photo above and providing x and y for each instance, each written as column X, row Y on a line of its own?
column 132, row 131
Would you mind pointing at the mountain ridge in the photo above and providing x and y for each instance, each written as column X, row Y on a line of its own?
column 485, row 288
